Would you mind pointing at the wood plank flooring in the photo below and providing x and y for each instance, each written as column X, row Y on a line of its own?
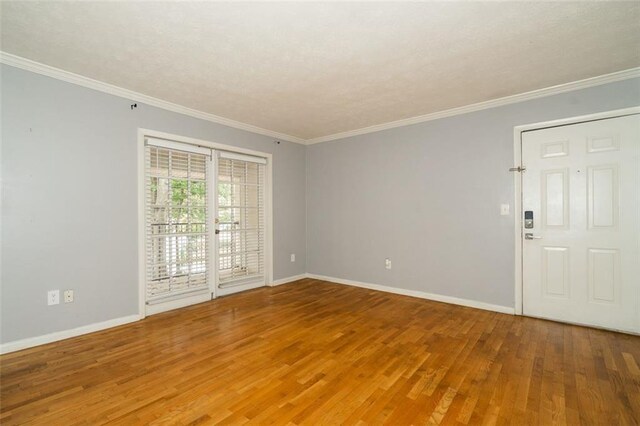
column 317, row 353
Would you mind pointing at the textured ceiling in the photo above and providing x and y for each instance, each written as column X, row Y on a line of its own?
column 315, row 69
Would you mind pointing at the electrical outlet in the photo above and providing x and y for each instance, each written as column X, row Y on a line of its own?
column 68, row 296
column 504, row 209
column 293, row 257
column 53, row 297
column 387, row 263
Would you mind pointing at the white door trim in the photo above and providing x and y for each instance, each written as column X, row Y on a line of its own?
column 517, row 180
column 268, row 255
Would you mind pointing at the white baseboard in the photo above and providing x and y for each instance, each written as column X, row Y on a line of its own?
column 65, row 334
column 288, row 280
column 420, row 294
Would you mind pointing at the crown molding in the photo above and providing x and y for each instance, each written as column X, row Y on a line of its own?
column 39, row 68
column 507, row 100
column 69, row 77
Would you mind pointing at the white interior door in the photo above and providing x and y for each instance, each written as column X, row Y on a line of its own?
column 240, row 222
column 581, row 257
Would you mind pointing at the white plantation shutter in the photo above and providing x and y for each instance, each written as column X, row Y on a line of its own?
column 241, row 192
column 177, row 229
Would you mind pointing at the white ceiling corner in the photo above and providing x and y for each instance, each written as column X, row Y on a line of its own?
column 321, row 71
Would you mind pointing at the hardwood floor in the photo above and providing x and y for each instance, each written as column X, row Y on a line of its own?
column 311, row 352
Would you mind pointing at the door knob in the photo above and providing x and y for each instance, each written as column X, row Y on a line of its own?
column 530, row 236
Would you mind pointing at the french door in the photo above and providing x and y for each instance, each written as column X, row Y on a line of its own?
column 240, row 221
column 581, row 203
column 204, row 223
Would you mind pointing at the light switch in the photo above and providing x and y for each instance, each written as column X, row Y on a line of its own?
column 504, row 209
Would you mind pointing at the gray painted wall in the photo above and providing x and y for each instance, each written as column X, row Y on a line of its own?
column 69, row 202
column 427, row 196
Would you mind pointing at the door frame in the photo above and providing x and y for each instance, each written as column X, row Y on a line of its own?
column 268, row 207
column 517, row 181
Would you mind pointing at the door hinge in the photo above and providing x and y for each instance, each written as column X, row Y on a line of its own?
column 517, row 169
